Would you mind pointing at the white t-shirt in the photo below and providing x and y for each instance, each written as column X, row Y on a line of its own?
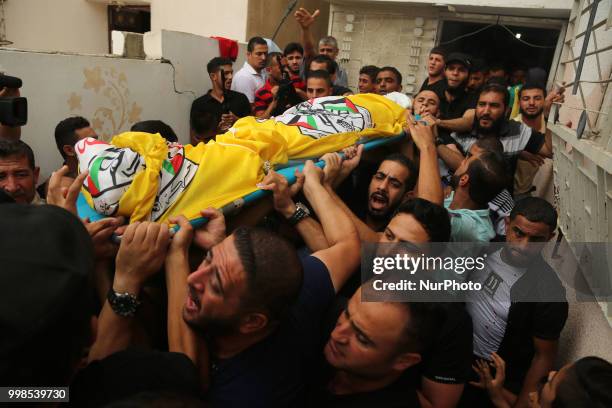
column 489, row 307
column 248, row 81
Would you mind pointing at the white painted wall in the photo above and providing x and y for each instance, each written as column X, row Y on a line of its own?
column 550, row 8
column 59, row 25
column 224, row 18
column 111, row 92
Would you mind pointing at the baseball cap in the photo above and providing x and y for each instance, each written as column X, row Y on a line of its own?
column 459, row 57
column 45, row 293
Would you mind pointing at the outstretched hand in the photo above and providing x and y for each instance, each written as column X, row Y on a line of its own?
column 421, row 132
column 282, row 192
column 304, row 18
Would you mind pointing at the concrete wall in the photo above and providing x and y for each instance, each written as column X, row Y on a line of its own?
column 112, row 93
column 224, row 18
column 533, row 8
column 59, row 25
column 385, row 35
column 264, row 16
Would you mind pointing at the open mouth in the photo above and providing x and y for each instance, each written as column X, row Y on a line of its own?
column 378, row 201
column 193, row 302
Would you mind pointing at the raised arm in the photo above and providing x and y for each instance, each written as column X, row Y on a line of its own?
column 141, row 254
column 541, row 364
column 429, row 186
column 308, row 228
column 342, row 257
column 305, row 19
column 460, row 125
column 336, row 170
column 181, row 338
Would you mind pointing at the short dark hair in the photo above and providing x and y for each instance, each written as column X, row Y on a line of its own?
column 438, row 51
column 498, row 89
column 535, row 209
column 216, row 63
column 155, row 126
column 487, row 177
column 203, row 122
column 497, row 66
column 273, row 269
column 255, row 41
column 531, row 85
column 478, row 65
column 293, row 47
column 398, row 75
column 17, row 148
column 413, row 172
column 369, row 70
column 490, row 144
column 65, row 132
column 273, row 56
column 587, row 384
column 432, row 217
column 320, row 74
column 324, row 59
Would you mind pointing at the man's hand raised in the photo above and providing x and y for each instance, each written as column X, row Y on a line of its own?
column 141, row 254
column 304, row 18
column 282, row 192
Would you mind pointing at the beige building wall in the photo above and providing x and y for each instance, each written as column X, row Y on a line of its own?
column 264, row 16
column 59, row 25
column 385, row 35
column 223, row 18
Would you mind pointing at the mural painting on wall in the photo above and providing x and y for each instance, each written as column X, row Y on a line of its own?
column 107, row 89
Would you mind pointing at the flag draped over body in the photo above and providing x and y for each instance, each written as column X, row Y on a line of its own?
column 141, row 176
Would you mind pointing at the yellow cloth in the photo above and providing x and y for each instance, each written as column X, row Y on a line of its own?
column 141, row 176
column 323, row 125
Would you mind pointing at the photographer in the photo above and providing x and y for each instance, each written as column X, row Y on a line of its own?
column 278, row 93
column 13, row 108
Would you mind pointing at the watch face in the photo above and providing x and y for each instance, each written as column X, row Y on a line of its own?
column 123, row 304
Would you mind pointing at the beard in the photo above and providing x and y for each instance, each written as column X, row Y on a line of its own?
column 493, row 129
column 531, row 115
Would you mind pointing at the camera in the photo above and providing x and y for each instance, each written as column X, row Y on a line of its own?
column 13, row 111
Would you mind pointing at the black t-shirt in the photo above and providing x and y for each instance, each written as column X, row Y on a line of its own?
column 235, row 102
column 527, row 319
column 438, row 87
column 399, row 394
column 457, row 107
column 130, row 372
column 449, row 358
column 271, row 373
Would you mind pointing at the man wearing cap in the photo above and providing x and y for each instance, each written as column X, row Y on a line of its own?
column 456, row 100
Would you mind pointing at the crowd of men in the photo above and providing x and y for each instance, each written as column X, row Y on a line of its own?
column 266, row 308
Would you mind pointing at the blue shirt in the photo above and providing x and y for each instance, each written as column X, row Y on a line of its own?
column 272, row 373
column 469, row 225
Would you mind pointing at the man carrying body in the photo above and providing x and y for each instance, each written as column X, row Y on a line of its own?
column 491, row 121
column 250, row 77
column 217, row 110
column 67, row 133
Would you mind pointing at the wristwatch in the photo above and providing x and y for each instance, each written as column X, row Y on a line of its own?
column 301, row 212
column 123, row 303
